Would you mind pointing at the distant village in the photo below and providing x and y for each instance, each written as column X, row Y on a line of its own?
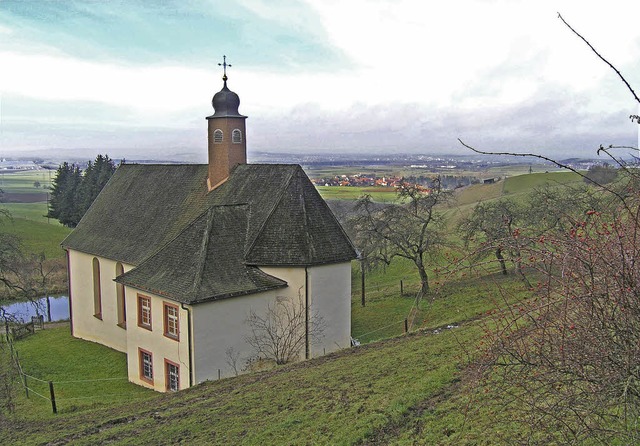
column 372, row 180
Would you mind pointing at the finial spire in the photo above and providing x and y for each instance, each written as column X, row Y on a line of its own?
column 224, row 66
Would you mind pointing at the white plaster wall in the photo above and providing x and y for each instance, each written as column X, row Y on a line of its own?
column 330, row 297
column 155, row 342
column 85, row 325
column 220, row 325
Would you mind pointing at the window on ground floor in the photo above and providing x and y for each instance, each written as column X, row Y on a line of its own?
column 97, row 291
column 146, row 366
column 172, row 376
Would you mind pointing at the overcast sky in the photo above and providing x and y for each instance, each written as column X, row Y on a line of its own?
column 135, row 78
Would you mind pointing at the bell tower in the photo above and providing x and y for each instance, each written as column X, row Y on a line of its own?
column 226, row 134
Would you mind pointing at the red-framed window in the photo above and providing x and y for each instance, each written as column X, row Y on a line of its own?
column 97, row 289
column 172, row 376
column 146, row 365
column 144, row 311
column 171, row 320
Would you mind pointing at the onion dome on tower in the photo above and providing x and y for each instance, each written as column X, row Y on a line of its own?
column 225, row 102
column 226, row 129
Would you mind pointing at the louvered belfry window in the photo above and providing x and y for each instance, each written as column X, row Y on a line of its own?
column 236, row 136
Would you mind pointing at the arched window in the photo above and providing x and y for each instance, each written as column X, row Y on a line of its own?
column 236, row 136
column 97, row 291
column 217, row 136
column 121, row 306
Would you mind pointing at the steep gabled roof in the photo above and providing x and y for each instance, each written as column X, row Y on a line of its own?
column 141, row 208
column 203, row 262
column 146, row 212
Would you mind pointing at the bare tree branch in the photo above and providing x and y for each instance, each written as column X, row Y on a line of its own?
column 601, row 58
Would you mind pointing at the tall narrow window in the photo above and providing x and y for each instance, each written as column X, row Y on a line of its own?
column 172, row 376
column 217, row 136
column 171, row 321
column 144, row 312
column 97, row 291
column 236, row 136
column 121, row 306
column 146, row 365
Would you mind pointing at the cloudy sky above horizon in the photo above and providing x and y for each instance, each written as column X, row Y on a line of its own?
column 135, row 78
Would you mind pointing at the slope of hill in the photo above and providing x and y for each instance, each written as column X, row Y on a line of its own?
column 347, row 398
column 412, row 389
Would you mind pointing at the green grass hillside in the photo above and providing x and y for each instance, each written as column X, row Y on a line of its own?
column 525, row 183
column 402, row 389
column 351, row 397
column 380, row 194
column 355, row 396
column 34, row 230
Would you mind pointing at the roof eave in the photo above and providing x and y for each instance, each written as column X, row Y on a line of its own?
column 204, row 299
column 305, row 264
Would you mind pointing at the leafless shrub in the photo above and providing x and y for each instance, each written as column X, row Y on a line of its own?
column 231, row 358
column 283, row 332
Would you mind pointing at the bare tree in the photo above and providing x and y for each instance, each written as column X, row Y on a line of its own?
column 492, row 226
column 410, row 228
column 567, row 361
column 282, row 332
column 506, row 226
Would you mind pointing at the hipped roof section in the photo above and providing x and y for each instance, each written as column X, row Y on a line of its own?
column 145, row 209
column 203, row 263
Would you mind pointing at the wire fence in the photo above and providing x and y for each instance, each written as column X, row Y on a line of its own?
column 57, row 391
column 407, row 323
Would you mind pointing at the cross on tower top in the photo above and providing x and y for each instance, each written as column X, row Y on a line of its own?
column 224, row 66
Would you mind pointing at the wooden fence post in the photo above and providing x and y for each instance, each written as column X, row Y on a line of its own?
column 401, row 289
column 53, row 398
column 406, row 325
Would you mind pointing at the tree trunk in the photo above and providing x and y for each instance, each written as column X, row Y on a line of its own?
column 424, row 279
column 500, row 258
column 48, row 309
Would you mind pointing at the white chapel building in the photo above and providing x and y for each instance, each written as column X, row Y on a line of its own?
column 170, row 260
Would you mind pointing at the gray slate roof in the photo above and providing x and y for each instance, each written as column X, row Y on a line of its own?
column 203, row 263
column 192, row 245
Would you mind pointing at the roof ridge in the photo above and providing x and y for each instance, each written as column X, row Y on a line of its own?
column 271, row 211
column 307, row 233
column 335, row 219
column 204, row 247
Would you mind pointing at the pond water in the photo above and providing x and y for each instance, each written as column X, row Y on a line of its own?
column 24, row 310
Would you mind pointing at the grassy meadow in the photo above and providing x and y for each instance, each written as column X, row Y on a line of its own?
column 397, row 388
column 28, row 217
column 380, row 392
column 23, row 181
column 380, row 194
